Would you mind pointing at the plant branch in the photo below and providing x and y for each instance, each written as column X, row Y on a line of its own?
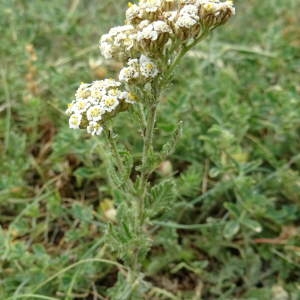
column 111, row 140
column 118, row 161
column 181, row 54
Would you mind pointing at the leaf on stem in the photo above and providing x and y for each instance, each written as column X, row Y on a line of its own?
column 160, row 198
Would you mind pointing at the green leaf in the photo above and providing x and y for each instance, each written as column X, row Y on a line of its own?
column 189, row 182
column 82, row 213
column 160, row 198
column 233, row 209
column 253, row 225
column 231, row 229
column 169, row 147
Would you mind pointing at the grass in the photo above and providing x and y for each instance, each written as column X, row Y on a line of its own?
column 233, row 233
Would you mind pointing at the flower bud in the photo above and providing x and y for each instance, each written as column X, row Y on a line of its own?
column 153, row 37
column 215, row 13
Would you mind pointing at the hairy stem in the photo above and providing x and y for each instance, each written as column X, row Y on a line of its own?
column 115, row 152
column 143, row 186
column 128, row 185
column 147, row 149
column 148, row 141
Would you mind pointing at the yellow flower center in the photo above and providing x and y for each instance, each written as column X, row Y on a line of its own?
column 110, row 101
column 96, row 112
column 84, row 94
column 75, row 120
column 209, row 7
column 149, row 67
column 114, row 92
column 81, row 105
column 96, row 94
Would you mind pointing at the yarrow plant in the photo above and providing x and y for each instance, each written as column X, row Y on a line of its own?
column 151, row 43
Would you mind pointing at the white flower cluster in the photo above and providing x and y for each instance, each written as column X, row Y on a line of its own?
column 96, row 103
column 152, row 25
column 139, row 70
column 118, row 42
column 154, row 33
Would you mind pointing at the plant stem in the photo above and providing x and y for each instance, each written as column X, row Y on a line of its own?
column 183, row 51
column 148, row 141
column 115, row 152
column 143, row 186
column 119, row 162
column 148, row 145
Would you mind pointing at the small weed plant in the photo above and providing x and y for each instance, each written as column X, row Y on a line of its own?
column 156, row 36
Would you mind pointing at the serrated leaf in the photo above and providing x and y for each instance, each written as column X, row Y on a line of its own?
column 128, row 163
column 189, row 182
column 160, row 198
column 162, row 192
column 169, row 147
column 153, row 161
column 114, row 177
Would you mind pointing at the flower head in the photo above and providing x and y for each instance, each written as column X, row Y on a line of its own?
column 148, row 68
column 131, row 72
column 133, row 14
column 75, row 121
column 81, row 106
column 215, row 13
column 139, row 70
column 94, row 128
column 118, row 43
column 110, row 102
column 129, row 97
column 83, row 91
column 95, row 113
